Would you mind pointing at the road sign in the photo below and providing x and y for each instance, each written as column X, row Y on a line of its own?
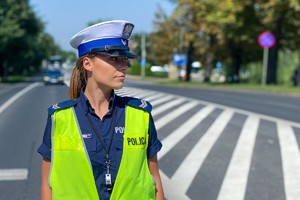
column 143, row 62
column 266, row 40
column 179, row 59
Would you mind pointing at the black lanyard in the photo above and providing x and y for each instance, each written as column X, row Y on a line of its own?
column 107, row 160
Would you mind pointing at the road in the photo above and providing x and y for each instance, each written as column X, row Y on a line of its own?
column 217, row 144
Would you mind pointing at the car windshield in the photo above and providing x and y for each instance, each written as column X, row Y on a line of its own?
column 53, row 72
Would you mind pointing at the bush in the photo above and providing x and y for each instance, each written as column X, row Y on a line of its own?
column 135, row 69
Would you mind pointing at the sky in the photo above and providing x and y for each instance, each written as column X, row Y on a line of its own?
column 64, row 18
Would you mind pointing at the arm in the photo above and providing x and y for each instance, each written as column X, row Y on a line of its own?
column 45, row 189
column 153, row 167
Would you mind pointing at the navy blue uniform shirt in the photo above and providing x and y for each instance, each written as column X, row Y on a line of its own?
column 106, row 128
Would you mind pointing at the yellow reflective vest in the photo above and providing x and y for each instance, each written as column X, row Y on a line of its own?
column 71, row 176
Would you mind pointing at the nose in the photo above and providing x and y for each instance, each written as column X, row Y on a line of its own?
column 122, row 63
column 122, row 66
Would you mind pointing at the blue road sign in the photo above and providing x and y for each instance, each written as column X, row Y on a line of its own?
column 179, row 59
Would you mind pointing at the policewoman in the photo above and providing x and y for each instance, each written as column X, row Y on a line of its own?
column 98, row 145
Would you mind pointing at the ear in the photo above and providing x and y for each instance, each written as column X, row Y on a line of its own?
column 87, row 63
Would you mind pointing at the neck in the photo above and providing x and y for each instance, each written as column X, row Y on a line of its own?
column 99, row 100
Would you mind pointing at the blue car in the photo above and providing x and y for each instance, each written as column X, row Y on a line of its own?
column 53, row 77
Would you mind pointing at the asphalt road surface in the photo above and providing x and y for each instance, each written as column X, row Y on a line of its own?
column 217, row 144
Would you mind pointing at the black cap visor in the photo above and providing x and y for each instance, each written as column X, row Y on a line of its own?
column 123, row 51
column 118, row 53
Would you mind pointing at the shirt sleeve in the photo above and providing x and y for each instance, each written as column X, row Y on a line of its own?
column 155, row 144
column 45, row 147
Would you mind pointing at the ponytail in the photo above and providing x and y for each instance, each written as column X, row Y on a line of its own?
column 78, row 80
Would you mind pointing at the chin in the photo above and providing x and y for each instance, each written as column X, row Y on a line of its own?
column 118, row 86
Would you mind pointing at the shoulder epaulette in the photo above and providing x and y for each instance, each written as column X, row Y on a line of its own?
column 61, row 105
column 138, row 103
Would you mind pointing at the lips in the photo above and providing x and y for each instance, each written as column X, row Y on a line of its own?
column 121, row 77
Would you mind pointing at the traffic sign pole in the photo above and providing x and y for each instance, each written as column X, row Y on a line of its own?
column 265, row 65
column 265, row 40
column 143, row 61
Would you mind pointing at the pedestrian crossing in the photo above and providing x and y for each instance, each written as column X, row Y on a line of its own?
column 214, row 152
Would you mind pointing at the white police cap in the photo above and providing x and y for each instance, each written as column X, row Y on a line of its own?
column 108, row 38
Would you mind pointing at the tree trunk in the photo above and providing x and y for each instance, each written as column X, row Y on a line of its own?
column 190, row 54
column 272, row 63
column 236, row 60
column 209, row 65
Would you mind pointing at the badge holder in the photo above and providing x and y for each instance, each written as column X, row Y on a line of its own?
column 108, row 182
column 108, row 176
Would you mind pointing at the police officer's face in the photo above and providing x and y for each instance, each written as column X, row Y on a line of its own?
column 107, row 71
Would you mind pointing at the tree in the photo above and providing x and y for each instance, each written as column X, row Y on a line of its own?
column 204, row 23
column 165, row 38
column 23, row 42
column 228, row 30
column 282, row 18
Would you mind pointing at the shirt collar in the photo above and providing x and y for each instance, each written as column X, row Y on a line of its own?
column 85, row 103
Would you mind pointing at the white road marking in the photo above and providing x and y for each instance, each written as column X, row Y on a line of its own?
column 290, row 156
column 170, row 189
column 154, row 96
column 166, row 106
column 18, row 95
column 177, row 135
column 137, row 93
column 235, row 180
column 143, row 94
column 174, row 114
column 13, row 174
column 194, row 160
column 161, row 100
column 67, row 82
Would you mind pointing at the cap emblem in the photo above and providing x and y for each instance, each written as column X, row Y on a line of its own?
column 123, row 42
column 127, row 31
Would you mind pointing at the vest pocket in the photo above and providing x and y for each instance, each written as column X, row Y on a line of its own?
column 118, row 144
column 62, row 143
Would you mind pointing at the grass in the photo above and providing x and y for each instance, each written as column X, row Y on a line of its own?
column 279, row 89
column 14, row 79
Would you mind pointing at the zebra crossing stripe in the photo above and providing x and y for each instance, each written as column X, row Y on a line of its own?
column 174, row 114
column 166, row 106
column 161, row 100
column 174, row 190
column 125, row 92
column 144, row 94
column 235, row 180
column 290, row 156
column 173, row 138
column 170, row 189
column 155, row 96
column 192, row 163
column 237, row 175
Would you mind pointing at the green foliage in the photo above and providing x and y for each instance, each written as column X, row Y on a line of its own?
column 227, row 31
column 135, row 69
column 288, row 62
column 159, row 74
column 23, row 42
column 223, row 31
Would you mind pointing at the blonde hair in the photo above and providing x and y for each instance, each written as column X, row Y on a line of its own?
column 78, row 78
